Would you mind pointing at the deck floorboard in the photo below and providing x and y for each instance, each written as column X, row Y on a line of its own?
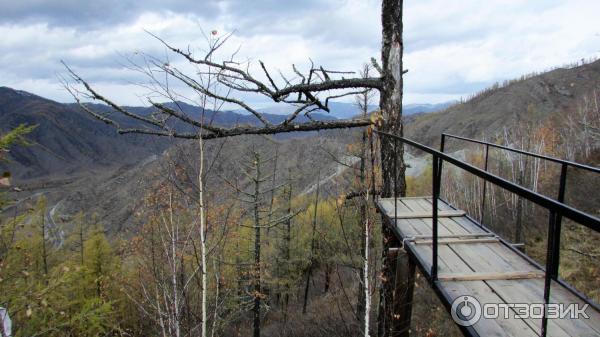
column 476, row 264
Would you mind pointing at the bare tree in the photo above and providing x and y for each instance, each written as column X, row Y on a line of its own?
column 364, row 302
column 311, row 261
column 262, row 218
column 309, row 91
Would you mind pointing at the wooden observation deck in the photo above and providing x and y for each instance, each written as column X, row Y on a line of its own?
column 475, row 262
column 488, row 286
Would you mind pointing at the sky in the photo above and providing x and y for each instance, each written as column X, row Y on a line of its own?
column 452, row 48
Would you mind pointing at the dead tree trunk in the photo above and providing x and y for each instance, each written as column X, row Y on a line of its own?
column 362, row 101
column 257, row 285
column 286, row 253
column 312, row 247
column 44, row 234
column 393, row 168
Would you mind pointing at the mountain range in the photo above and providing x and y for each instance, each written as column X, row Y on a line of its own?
column 81, row 163
column 68, row 140
column 344, row 110
column 534, row 98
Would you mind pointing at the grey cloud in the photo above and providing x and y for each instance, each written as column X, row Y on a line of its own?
column 94, row 14
column 452, row 47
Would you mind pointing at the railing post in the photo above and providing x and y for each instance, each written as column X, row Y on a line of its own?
column 395, row 179
column 443, row 142
column 442, row 147
column 434, row 224
column 550, row 256
column 553, row 251
column 483, row 194
column 558, row 224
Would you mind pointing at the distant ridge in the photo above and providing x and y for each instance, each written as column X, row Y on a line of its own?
column 343, row 110
column 67, row 139
column 556, row 92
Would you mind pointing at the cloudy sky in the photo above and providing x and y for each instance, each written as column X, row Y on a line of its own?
column 453, row 48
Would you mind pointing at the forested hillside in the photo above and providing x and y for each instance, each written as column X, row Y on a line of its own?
column 250, row 193
column 533, row 98
column 114, row 251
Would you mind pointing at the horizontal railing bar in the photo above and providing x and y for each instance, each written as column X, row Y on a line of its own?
column 532, row 154
column 550, row 204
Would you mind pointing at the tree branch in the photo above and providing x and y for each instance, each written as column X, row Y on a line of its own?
column 250, row 130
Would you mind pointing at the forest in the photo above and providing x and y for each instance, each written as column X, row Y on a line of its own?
column 276, row 259
column 199, row 214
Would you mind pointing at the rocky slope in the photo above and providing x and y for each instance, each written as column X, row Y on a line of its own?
column 557, row 92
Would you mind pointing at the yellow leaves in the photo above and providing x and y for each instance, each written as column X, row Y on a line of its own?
column 340, row 200
column 377, row 119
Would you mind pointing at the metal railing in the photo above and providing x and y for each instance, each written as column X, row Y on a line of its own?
column 564, row 166
column 556, row 208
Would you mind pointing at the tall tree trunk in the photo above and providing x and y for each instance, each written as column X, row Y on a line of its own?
column 392, row 162
column 43, row 230
column 327, row 278
column 257, row 285
column 364, row 106
column 203, row 250
column 81, row 243
column 286, row 254
column 312, row 246
column 390, row 101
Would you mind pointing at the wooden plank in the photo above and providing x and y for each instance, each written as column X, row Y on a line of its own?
column 424, row 225
column 417, row 226
column 455, row 236
column 481, row 259
column 406, row 229
column 455, row 264
column 558, row 294
column 453, row 226
column 516, row 275
column 415, row 206
column 423, row 214
column 474, row 259
column 456, row 241
column 388, row 206
column 510, row 257
column 409, row 198
column 448, row 261
column 469, row 225
column 511, row 326
column 515, row 291
column 426, row 205
column 441, row 204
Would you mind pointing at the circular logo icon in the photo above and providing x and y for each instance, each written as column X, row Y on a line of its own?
column 466, row 310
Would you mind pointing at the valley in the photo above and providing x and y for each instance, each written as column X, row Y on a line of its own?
column 175, row 220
